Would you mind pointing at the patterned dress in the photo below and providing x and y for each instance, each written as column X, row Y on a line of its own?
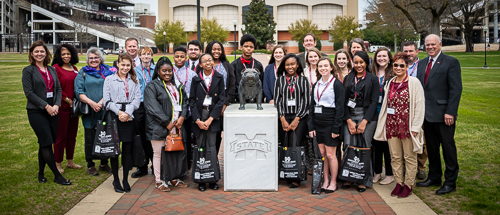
column 399, row 99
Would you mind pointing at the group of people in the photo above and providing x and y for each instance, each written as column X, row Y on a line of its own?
column 385, row 103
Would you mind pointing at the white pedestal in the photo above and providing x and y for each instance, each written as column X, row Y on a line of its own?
column 251, row 148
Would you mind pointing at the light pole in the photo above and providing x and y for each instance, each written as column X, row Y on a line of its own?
column 21, row 43
column 235, row 22
column 485, row 36
column 164, row 47
column 29, row 25
column 351, row 33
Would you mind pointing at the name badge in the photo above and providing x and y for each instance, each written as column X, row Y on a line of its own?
column 391, row 111
column 50, row 95
column 291, row 102
column 379, row 99
column 317, row 109
column 351, row 103
column 207, row 102
column 177, row 108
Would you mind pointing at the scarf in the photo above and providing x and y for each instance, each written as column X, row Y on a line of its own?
column 105, row 69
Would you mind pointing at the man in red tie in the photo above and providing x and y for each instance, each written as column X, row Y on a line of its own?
column 248, row 44
column 440, row 76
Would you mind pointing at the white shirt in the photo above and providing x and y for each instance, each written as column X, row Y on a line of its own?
column 434, row 59
column 207, row 79
column 328, row 97
column 137, row 61
column 190, row 63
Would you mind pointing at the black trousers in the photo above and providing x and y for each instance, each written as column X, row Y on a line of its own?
column 301, row 131
column 436, row 135
column 140, row 117
column 381, row 149
column 89, row 134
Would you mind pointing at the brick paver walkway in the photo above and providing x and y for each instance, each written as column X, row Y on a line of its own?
column 145, row 199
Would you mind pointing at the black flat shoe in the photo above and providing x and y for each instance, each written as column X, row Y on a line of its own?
column 139, row 173
column 331, row 191
column 63, row 181
column 346, row 186
column 445, row 190
column 294, row 184
column 126, row 186
column 118, row 187
column 214, row 186
column 428, row 183
column 42, row 179
column 323, row 190
column 361, row 189
column 202, row 187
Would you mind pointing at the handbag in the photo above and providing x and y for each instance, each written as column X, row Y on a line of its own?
column 174, row 142
column 206, row 167
column 79, row 108
column 106, row 141
column 292, row 160
column 173, row 165
column 318, row 164
column 356, row 166
column 138, row 156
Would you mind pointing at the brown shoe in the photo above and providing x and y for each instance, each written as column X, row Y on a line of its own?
column 177, row 183
column 162, row 187
column 105, row 168
column 92, row 171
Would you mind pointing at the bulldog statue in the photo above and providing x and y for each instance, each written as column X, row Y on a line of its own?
column 250, row 88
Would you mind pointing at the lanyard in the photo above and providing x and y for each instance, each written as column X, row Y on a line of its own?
column 149, row 73
column 211, row 78
column 317, row 89
column 253, row 61
column 180, row 78
column 414, row 67
column 380, row 82
column 393, row 91
column 356, row 83
column 46, row 74
column 168, row 93
column 125, row 82
column 167, row 88
column 288, row 81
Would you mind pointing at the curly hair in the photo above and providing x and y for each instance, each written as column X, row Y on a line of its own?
column 57, row 55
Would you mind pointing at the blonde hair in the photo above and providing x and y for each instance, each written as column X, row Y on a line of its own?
column 145, row 49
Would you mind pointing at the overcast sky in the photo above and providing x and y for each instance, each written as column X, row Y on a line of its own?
column 154, row 6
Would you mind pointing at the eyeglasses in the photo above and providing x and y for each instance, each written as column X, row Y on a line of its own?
column 194, row 50
column 205, row 61
column 399, row 65
column 94, row 58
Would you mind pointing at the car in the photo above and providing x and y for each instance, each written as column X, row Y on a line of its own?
column 421, row 47
column 374, row 48
column 105, row 51
column 118, row 51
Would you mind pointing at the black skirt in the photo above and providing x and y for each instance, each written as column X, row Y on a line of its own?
column 44, row 125
column 126, row 130
column 324, row 125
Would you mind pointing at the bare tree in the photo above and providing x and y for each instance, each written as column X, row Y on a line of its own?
column 464, row 14
column 388, row 18
column 414, row 11
column 114, row 32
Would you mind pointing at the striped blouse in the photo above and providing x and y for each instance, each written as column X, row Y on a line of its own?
column 283, row 93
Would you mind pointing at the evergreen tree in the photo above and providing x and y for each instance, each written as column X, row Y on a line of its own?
column 259, row 22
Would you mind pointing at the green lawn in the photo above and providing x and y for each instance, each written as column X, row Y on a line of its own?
column 477, row 138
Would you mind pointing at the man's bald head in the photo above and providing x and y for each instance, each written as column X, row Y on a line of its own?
column 433, row 45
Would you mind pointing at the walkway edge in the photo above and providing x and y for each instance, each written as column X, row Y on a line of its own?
column 412, row 205
column 100, row 200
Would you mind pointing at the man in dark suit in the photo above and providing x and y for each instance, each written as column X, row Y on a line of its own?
column 440, row 76
column 309, row 41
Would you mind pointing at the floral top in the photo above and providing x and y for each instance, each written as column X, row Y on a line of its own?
column 397, row 124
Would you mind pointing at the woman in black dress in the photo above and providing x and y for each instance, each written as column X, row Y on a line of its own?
column 291, row 97
column 43, row 91
column 325, row 119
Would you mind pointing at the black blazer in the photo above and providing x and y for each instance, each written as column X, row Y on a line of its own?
column 230, row 82
column 197, row 96
column 371, row 93
column 443, row 89
column 339, row 91
column 159, row 109
column 302, row 58
column 35, row 89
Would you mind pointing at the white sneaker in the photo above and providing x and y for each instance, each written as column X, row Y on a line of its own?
column 387, row 180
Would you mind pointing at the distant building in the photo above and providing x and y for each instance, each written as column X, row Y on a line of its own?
column 284, row 12
column 140, row 9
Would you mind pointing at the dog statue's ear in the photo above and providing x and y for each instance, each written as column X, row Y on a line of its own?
column 243, row 71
